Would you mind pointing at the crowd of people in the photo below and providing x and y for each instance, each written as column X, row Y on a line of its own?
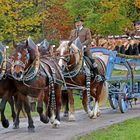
column 128, row 44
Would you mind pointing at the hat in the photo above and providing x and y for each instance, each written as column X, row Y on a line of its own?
column 110, row 37
column 136, row 37
column 124, row 36
column 117, row 36
column 78, row 18
column 137, row 22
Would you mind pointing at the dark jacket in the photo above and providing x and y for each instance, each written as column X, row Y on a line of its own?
column 134, row 33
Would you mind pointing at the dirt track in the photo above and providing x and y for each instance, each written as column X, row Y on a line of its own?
column 67, row 130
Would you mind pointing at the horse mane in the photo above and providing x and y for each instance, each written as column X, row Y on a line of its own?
column 64, row 45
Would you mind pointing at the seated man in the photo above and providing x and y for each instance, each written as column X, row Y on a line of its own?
column 84, row 35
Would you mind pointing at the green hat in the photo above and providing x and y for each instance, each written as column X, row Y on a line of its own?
column 78, row 18
column 137, row 22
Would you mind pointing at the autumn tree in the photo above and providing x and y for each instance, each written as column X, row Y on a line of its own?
column 58, row 23
column 137, row 3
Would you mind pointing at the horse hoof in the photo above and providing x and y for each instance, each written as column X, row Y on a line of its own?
column 5, row 123
column 15, row 126
column 55, row 124
column 71, row 118
column 31, row 130
column 52, row 119
column 65, row 114
column 98, row 114
column 90, row 114
column 44, row 119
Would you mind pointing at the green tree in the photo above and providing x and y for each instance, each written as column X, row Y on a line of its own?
column 106, row 16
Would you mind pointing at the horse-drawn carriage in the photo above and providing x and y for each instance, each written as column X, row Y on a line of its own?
column 125, row 87
column 40, row 76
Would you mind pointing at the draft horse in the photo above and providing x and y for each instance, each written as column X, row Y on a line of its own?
column 75, row 75
column 7, row 88
column 36, row 76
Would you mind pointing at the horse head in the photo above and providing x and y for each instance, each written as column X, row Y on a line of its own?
column 2, row 60
column 69, row 55
column 25, row 54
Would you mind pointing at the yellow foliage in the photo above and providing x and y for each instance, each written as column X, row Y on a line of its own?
column 137, row 3
column 19, row 18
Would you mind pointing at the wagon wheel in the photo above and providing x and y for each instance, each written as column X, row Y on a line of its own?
column 113, row 97
column 113, row 101
column 123, row 102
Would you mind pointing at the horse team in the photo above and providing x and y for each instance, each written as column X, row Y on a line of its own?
column 29, row 72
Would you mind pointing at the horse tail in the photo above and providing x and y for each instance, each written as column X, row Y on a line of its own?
column 104, row 94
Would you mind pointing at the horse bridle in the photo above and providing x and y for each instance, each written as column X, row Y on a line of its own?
column 66, row 57
column 19, row 63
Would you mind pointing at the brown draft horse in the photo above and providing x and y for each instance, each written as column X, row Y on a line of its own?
column 36, row 76
column 50, row 51
column 7, row 88
column 70, row 62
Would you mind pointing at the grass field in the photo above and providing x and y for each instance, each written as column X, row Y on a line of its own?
column 77, row 102
column 128, row 130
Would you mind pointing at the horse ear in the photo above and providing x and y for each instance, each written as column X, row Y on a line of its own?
column 31, row 44
column 14, row 44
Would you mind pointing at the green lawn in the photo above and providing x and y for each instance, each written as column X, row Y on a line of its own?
column 119, row 72
column 8, row 111
column 77, row 102
column 128, row 130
